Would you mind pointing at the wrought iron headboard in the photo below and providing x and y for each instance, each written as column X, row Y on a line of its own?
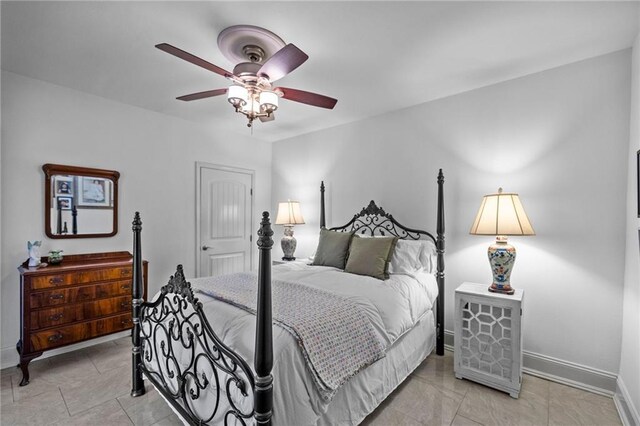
column 373, row 220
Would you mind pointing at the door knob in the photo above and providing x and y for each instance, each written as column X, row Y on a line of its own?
column 205, row 248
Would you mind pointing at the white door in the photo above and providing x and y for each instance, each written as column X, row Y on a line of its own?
column 225, row 205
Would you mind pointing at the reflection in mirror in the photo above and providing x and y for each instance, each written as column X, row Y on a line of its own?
column 81, row 205
column 80, row 202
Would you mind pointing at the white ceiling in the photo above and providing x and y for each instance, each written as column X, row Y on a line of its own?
column 374, row 57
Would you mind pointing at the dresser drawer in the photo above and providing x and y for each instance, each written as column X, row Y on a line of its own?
column 74, row 333
column 79, row 312
column 61, row 280
column 64, row 296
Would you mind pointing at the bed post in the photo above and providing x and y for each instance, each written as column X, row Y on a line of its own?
column 137, row 388
column 440, row 270
column 263, row 361
column 322, row 219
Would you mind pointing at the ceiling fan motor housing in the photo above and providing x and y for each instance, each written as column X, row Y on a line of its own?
column 247, row 70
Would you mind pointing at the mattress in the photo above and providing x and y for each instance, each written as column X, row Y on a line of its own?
column 401, row 313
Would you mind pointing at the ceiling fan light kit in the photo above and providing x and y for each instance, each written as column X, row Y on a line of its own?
column 262, row 58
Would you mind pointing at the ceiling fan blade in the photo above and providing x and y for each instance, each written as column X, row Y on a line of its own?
column 202, row 95
column 193, row 59
column 270, row 117
column 308, row 98
column 283, row 62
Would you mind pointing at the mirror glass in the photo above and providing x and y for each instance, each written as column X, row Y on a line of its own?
column 80, row 202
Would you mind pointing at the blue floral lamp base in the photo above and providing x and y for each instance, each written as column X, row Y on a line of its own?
column 502, row 256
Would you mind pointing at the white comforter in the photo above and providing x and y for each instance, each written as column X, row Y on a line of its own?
column 394, row 307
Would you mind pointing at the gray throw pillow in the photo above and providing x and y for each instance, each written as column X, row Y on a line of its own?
column 371, row 256
column 332, row 248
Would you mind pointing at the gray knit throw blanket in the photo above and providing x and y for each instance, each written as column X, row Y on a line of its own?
column 335, row 335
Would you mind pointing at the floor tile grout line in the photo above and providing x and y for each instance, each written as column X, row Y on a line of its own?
column 475, row 421
column 125, row 411
column 435, row 384
column 406, row 414
column 465, row 396
column 65, row 401
column 458, row 408
column 94, row 364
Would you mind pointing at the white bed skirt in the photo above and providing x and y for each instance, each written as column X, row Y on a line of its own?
column 360, row 396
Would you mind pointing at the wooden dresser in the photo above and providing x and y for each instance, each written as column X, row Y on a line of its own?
column 86, row 296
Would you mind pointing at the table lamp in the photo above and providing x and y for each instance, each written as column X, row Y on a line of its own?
column 501, row 215
column 289, row 215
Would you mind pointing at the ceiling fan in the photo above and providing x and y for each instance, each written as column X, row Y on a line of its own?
column 262, row 58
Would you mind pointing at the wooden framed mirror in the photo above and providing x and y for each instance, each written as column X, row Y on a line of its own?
column 80, row 202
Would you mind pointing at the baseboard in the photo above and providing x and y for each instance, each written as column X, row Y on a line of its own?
column 624, row 404
column 9, row 356
column 561, row 371
column 448, row 340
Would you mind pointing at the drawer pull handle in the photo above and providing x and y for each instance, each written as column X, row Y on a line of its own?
column 55, row 280
column 57, row 296
column 56, row 337
column 125, row 287
column 124, row 272
column 126, row 321
column 125, row 305
column 55, row 317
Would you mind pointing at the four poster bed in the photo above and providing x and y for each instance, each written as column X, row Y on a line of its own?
column 342, row 342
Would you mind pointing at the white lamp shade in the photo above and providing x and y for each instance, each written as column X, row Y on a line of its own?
column 237, row 94
column 269, row 100
column 289, row 213
column 501, row 214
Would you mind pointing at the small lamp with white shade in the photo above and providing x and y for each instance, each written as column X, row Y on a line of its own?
column 501, row 215
column 289, row 215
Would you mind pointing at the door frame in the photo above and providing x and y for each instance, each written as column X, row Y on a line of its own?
column 203, row 165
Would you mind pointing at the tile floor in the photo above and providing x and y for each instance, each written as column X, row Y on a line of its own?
column 91, row 387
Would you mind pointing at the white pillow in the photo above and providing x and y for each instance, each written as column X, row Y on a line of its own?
column 412, row 256
column 429, row 256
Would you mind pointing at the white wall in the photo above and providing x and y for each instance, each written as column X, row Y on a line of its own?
column 155, row 155
column 559, row 138
column 629, row 376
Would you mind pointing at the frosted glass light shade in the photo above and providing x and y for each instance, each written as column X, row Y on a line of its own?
column 289, row 213
column 268, row 101
column 237, row 95
column 252, row 106
column 501, row 214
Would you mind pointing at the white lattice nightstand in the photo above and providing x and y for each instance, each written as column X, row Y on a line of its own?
column 488, row 339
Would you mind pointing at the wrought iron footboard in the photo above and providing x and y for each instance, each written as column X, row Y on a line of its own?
column 176, row 349
column 184, row 357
